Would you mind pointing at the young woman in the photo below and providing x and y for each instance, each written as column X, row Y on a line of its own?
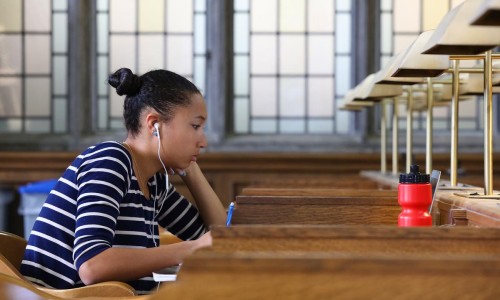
column 100, row 222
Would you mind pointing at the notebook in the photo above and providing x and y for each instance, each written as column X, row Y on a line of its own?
column 434, row 181
column 166, row 274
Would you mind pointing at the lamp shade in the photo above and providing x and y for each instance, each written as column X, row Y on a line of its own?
column 376, row 91
column 488, row 14
column 455, row 36
column 415, row 64
column 384, row 76
column 350, row 104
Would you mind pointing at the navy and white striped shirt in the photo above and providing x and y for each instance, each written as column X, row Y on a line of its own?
column 95, row 205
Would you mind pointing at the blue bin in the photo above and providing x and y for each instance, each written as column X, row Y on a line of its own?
column 6, row 196
column 33, row 197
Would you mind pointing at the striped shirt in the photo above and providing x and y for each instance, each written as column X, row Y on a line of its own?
column 97, row 204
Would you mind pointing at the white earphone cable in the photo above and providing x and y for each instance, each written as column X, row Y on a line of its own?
column 155, row 214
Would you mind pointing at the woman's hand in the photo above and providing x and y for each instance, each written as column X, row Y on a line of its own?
column 205, row 240
column 180, row 172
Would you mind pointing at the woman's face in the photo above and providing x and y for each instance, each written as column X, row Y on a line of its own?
column 184, row 135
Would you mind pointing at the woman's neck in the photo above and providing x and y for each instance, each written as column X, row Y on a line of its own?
column 142, row 166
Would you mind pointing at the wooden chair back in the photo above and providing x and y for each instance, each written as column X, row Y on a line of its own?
column 104, row 289
column 12, row 288
column 12, row 248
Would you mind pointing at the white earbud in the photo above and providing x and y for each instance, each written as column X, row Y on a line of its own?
column 157, row 131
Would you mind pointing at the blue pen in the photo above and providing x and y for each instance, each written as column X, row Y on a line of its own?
column 229, row 214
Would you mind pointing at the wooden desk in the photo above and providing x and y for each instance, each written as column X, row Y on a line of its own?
column 316, row 210
column 356, row 239
column 312, row 275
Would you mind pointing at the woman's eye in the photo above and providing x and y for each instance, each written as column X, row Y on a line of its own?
column 196, row 126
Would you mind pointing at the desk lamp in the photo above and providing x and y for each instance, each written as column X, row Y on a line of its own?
column 455, row 36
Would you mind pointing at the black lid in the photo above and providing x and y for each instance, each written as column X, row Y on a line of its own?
column 414, row 176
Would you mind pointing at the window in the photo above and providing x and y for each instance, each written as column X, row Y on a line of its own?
column 287, row 58
column 144, row 35
column 34, row 66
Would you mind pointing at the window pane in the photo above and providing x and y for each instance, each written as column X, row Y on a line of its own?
column 10, row 93
column 433, row 13
column 103, row 113
column 151, row 15
column 264, row 126
column 60, row 75
column 292, row 16
column 102, row 33
column 199, row 73
column 343, row 74
column 37, row 126
column 102, row 75
column 241, row 74
column 150, row 60
column 320, row 97
column 60, row 115
column 320, row 126
column 263, row 55
column 292, row 54
column 407, row 18
column 37, row 51
column 122, row 15
column 37, row 97
column 11, row 125
column 102, row 5
column 264, row 14
column 343, row 37
column 343, row 5
column 292, row 97
column 60, row 4
column 386, row 34
column 10, row 15
column 320, row 49
column 37, row 15
column 241, row 114
column 179, row 16
column 200, row 34
column 241, row 33
column 241, row 5
column 122, row 52
column 60, row 33
column 10, row 54
column 200, row 5
column 292, row 126
column 180, row 54
column 320, row 16
column 264, row 97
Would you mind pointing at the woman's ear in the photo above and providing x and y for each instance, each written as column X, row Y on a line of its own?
column 151, row 120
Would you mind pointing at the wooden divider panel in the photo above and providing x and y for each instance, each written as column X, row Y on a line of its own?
column 210, row 275
column 356, row 239
column 316, row 210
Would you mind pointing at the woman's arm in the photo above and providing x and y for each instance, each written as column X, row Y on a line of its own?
column 207, row 202
column 124, row 264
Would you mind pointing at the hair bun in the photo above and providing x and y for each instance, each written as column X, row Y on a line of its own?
column 125, row 82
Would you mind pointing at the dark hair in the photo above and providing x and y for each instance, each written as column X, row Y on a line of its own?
column 161, row 90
